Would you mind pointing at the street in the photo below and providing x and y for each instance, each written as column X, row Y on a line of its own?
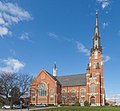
column 13, row 110
column 26, row 109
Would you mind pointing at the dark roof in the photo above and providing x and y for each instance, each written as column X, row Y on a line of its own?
column 72, row 80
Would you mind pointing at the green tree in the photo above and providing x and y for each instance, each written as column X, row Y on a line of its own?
column 77, row 103
column 86, row 103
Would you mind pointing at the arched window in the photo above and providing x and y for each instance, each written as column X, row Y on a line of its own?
column 92, row 88
column 42, row 89
column 92, row 100
column 73, row 93
column 33, row 95
column 51, row 95
column 64, row 96
column 63, row 93
column 82, row 92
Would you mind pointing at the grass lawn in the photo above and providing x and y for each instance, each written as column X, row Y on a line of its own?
column 77, row 108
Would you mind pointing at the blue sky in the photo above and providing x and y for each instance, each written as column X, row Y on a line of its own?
column 34, row 34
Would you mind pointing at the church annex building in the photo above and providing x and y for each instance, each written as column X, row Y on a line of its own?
column 49, row 88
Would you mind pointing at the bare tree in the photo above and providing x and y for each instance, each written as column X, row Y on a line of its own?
column 69, row 98
column 13, row 86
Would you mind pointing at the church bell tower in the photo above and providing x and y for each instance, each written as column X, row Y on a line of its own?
column 94, row 74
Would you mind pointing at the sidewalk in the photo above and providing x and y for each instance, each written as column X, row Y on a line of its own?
column 13, row 110
column 26, row 109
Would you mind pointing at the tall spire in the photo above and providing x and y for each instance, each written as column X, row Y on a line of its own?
column 96, row 25
column 96, row 37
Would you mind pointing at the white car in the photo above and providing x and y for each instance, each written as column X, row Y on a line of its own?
column 40, row 105
column 6, row 107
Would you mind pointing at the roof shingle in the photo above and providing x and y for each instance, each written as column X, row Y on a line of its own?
column 72, row 80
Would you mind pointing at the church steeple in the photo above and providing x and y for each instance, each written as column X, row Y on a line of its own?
column 96, row 37
column 95, row 70
column 96, row 25
column 54, row 70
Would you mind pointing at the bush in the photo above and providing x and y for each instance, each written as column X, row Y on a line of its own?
column 64, row 104
column 32, row 105
column 86, row 103
column 77, row 103
column 106, row 104
column 50, row 104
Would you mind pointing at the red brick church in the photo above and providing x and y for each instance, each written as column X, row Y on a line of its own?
column 49, row 88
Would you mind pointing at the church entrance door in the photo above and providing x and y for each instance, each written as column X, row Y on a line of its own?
column 92, row 101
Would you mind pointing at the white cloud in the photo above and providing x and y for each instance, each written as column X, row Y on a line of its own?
column 4, row 31
column 53, row 35
column 25, row 36
column 11, row 65
column 61, row 38
column 106, row 58
column 114, row 97
column 81, row 48
column 105, row 24
column 2, row 21
column 104, row 3
column 11, row 14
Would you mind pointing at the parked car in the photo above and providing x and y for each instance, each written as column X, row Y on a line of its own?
column 17, row 106
column 40, row 105
column 5, row 107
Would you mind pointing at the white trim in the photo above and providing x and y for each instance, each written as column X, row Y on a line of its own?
column 89, row 64
column 93, row 93
column 103, row 103
column 97, row 104
column 88, row 83
column 87, row 74
column 97, row 82
column 101, row 62
column 97, row 73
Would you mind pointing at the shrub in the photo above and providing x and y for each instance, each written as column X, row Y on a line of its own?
column 86, row 103
column 106, row 104
column 50, row 104
column 77, row 103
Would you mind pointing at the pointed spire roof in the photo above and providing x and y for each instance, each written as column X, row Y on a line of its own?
column 54, row 70
column 88, row 68
column 55, row 65
column 96, row 37
column 96, row 30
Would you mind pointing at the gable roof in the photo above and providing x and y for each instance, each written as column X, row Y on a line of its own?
column 69, row 80
column 54, row 78
column 72, row 80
